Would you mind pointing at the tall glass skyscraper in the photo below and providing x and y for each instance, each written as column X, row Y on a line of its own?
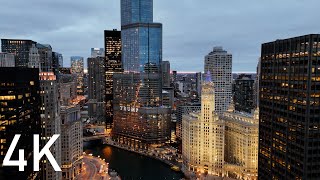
column 140, row 118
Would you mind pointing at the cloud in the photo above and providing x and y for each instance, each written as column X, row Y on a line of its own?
column 191, row 27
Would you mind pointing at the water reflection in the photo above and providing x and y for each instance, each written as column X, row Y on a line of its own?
column 130, row 165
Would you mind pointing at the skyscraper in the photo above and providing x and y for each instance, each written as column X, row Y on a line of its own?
column 244, row 93
column 20, row 48
column 165, row 66
column 20, row 105
column 140, row 118
column 113, row 65
column 57, row 62
column 290, row 109
column 77, row 67
column 96, row 83
column 50, row 121
column 203, row 135
column 219, row 63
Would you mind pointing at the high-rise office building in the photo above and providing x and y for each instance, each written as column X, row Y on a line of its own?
column 203, row 136
column 50, row 121
column 20, row 105
column 174, row 76
column 96, row 88
column 112, row 44
column 139, row 117
column 45, row 54
column 7, row 60
column 165, row 66
column 97, row 52
column 241, row 143
column 219, row 63
column 20, row 48
column 243, row 97
column 290, row 109
column 77, row 67
column 57, row 62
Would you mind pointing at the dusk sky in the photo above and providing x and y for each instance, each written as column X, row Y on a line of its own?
column 191, row 28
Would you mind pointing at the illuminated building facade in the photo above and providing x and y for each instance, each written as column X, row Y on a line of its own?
column 219, row 63
column 203, row 136
column 140, row 119
column 7, row 60
column 77, row 67
column 50, row 121
column 71, row 127
column 71, row 141
column 20, row 48
column 290, row 109
column 113, row 65
column 96, row 80
column 20, row 105
column 243, row 96
column 241, row 143
column 135, row 124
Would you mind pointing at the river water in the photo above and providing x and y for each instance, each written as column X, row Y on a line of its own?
column 129, row 165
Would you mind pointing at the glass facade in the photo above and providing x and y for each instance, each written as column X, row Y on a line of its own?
column 289, row 105
column 136, row 11
column 139, row 116
column 142, row 45
column 20, row 106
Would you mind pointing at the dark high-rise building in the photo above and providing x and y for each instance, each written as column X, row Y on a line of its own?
column 244, row 93
column 19, row 114
column 165, row 66
column 174, row 76
column 20, row 48
column 96, row 88
column 112, row 65
column 289, row 135
column 139, row 117
column 57, row 62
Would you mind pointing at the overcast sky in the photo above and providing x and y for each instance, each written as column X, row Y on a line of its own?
column 191, row 28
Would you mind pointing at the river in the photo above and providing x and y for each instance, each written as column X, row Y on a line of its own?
column 129, row 165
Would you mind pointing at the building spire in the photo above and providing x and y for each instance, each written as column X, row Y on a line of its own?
column 208, row 77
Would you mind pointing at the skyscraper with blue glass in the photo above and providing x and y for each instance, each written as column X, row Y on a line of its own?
column 140, row 119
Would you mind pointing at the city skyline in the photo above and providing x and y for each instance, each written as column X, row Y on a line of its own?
column 241, row 35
